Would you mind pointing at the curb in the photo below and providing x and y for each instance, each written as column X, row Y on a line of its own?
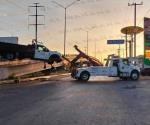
column 42, row 78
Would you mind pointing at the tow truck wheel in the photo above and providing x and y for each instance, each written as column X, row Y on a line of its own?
column 84, row 76
column 134, row 75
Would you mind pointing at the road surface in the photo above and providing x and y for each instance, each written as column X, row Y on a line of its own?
column 101, row 101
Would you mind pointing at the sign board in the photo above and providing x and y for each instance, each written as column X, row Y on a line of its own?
column 146, row 42
column 119, row 41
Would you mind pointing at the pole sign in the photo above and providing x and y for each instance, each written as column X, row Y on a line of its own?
column 146, row 41
column 119, row 41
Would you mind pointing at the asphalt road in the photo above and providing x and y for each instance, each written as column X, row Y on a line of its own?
column 101, row 101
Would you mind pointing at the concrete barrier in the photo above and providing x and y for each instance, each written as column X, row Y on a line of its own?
column 20, row 68
column 4, row 73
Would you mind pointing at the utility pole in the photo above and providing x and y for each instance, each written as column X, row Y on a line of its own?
column 36, row 15
column 135, row 13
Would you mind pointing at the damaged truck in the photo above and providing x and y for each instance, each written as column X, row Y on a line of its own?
column 10, row 50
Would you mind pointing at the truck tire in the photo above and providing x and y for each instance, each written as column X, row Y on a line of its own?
column 9, row 56
column 54, row 58
column 50, row 61
column 134, row 75
column 84, row 76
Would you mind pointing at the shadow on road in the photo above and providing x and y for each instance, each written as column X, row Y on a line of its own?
column 101, row 82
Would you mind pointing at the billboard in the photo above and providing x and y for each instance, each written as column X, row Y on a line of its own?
column 119, row 41
column 146, row 41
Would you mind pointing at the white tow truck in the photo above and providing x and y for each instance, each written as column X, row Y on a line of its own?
column 115, row 67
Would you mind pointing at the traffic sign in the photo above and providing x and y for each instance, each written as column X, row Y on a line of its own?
column 119, row 41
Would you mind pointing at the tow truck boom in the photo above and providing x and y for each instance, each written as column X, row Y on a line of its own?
column 92, row 61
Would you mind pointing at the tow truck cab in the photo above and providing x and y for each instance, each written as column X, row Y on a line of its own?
column 115, row 67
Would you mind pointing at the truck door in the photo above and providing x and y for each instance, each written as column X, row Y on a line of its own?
column 124, row 67
column 114, row 68
column 41, row 53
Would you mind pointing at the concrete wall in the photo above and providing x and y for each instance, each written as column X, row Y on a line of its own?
column 20, row 69
column 3, row 73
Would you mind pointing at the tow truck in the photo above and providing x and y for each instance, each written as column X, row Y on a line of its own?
column 115, row 67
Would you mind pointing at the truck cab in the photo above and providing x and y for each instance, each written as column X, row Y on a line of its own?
column 43, row 53
column 115, row 67
column 124, row 67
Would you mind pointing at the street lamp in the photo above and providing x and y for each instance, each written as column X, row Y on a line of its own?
column 95, row 50
column 87, row 32
column 87, row 41
column 65, row 7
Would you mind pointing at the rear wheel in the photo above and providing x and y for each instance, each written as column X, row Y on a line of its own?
column 54, row 58
column 134, row 75
column 50, row 61
column 10, row 56
column 84, row 76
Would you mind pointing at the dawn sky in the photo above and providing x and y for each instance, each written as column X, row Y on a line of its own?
column 102, row 18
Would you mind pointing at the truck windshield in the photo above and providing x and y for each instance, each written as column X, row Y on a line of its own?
column 42, row 48
column 115, row 63
column 125, row 61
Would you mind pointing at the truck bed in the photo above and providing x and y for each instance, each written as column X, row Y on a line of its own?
column 18, row 51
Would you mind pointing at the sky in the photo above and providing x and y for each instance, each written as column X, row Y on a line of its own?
column 103, row 19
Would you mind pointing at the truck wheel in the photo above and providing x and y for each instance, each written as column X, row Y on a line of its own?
column 54, row 58
column 134, row 75
column 10, row 56
column 50, row 60
column 84, row 76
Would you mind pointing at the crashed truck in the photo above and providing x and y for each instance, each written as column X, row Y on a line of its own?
column 10, row 50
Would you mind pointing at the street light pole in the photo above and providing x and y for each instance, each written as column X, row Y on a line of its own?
column 95, row 50
column 65, row 26
column 87, row 39
column 87, row 42
column 65, row 32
